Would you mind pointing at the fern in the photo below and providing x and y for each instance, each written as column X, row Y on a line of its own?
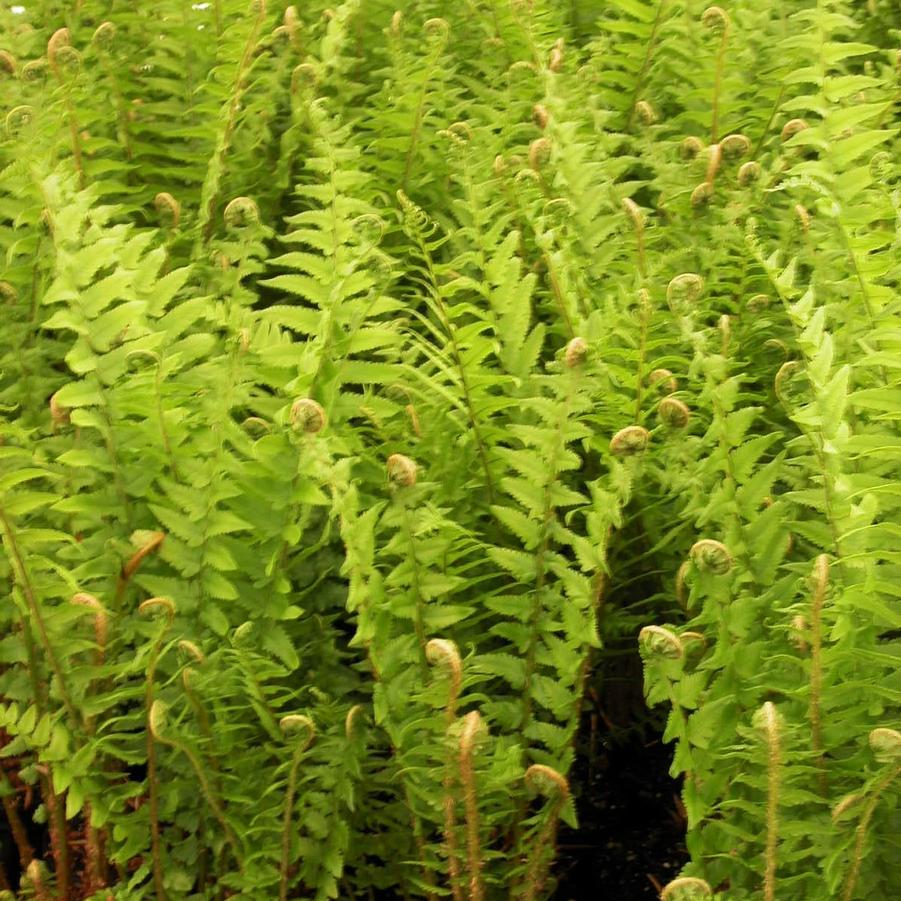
column 373, row 377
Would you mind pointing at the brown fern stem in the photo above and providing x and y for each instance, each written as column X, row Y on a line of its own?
column 16, row 826
column 59, row 839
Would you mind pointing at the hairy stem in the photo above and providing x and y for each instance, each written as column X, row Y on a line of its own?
column 471, row 724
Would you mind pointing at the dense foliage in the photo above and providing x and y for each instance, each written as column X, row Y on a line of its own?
column 364, row 372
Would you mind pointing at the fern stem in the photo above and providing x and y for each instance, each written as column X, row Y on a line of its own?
column 164, row 432
column 217, row 165
column 646, row 63
column 548, row 517
column 16, row 826
column 766, row 128
column 717, row 85
column 419, row 115
column 557, row 291
column 472, row 722
column 821, row 582
column 858, row 275
column 449, row 804
column 132, row 565
column 75, row 138
column 419, row 618
column 861, row 832
column 419, row 841
column 446, row 651
column 286, row 823
column 774, row 753
column 156, row 851
column 645, row 315
column 540, row 860
column 206, row 790
column 461, row 370
column 59, row 839
column 28, row 592
column 95, row 859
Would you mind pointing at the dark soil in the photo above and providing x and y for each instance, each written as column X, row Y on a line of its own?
column 631, row 836
column 630, row 840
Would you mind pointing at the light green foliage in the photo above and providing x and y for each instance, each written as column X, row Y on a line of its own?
column 330, row 332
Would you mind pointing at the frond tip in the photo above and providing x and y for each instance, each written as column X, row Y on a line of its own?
column 157, row 719
column 631, row 440
column 101, row 620
column 748, row 173
column 104, row 35
column 735, row 145
column 539, row 153
column 440, row 650
column 716, row 19
column 59, row 415
column 684, row 288
column 241, row 212
column 702, row 194
column 686, row 888
column 401, row 471
column 546, row 780
column 192, row 649
column 711, row 556
column 664, row 379
column 59, row 39
column 791, row 128
column 886, row 744
column 7, row 62
column 157, row 605
column 295, row 723
column 540, row 115
column 169, row 209
column 645, row 112
column 660, row 642
column 307, row 416
column 633, row 211
column 692, row 147
column 576, row 352
column 673, row 413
